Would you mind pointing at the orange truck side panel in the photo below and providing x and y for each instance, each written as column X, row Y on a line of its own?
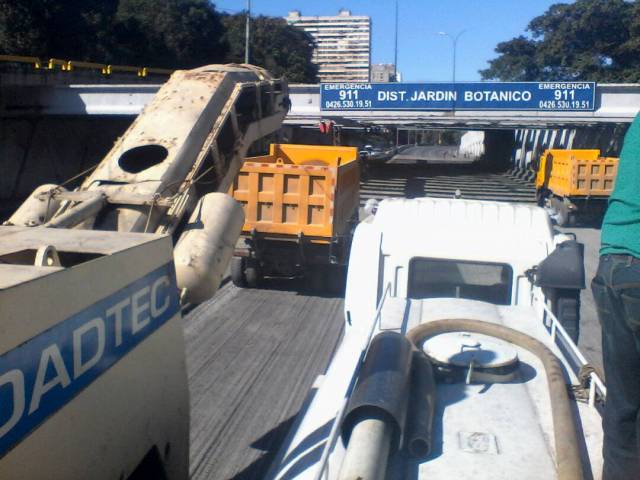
column 577, row 173
column 308, row 189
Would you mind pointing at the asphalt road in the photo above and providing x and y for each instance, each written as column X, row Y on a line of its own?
column 428, row 154
column 252, row 356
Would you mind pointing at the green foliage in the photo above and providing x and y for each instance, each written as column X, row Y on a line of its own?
column 158, row 33
column 280, row 48
column 169, row 33
column 60, row 28
column 594, row 40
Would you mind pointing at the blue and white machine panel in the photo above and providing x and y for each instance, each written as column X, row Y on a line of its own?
column 541, row 96
column 40, row 376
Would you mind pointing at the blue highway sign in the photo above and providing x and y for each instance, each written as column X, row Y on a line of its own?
column 542, row 96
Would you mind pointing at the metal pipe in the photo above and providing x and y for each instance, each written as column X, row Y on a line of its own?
column 247, row 27
column 38, row 207
column 78, row 213
column 383, row 386
column 395, row 51
column 368, row 451
column 568, row 462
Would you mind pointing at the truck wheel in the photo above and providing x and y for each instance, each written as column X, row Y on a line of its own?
column 336, row 280
column 314, row 278
column 561, row 211
column 252, row 274
column 237, row 272
column 567, row 311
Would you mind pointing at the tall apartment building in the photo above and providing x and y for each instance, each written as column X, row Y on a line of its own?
column 343, row 45
column 383, row 73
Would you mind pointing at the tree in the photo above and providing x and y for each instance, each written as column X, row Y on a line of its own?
column 171, row 33
column 161, row 33
column 54, row 28
column 517, row 61
column 280, row 48
column 594, row 40
column 157, row 33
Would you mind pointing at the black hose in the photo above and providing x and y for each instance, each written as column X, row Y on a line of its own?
column 421, row 407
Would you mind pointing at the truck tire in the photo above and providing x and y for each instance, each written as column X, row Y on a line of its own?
column 314, row 279
column 567, row 311
column 562, row 213
column 237, row 272
column 252, row 274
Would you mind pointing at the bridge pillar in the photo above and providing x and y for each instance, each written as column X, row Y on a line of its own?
column 498, row 148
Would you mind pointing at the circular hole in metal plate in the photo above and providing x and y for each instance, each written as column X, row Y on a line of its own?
column 138, row 159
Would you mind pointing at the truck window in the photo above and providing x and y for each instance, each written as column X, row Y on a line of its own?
column 437, row 278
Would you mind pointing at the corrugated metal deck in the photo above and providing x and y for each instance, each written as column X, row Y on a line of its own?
column 252, row 356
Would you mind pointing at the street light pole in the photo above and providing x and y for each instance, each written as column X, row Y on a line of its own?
column 246, row 32
column 395, row 52
column 454, row 41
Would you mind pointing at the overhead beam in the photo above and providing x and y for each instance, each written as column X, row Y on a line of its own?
column 615, row 103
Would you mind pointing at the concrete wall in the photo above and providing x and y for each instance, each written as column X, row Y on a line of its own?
column 34, row 151
column 531, row 143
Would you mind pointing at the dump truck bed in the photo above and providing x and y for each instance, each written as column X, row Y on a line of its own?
column 576, row 173
column 299, row 190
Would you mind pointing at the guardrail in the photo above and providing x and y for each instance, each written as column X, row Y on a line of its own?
column 70, row 65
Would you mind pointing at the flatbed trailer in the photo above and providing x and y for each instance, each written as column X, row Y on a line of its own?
column 301, row 205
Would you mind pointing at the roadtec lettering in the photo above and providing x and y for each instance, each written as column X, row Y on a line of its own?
column 44, row 373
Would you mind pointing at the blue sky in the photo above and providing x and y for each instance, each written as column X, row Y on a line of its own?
column 423, row 54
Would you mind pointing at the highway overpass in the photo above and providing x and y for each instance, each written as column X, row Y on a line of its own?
column 613, row 103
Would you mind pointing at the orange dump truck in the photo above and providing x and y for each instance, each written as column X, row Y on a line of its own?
column 572, row 181
column 301, row 205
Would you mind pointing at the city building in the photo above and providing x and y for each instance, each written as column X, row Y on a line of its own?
column 343, row 45
column 384, row 73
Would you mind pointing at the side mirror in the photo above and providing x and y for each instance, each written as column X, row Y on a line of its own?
column 563, row 268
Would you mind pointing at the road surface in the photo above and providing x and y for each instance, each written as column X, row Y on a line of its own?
column 252, row 356
column 429, row 154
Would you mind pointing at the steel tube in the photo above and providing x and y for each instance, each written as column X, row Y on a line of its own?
column 368, row 451
column 78, row 213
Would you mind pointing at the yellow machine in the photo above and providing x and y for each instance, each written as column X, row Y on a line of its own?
column 571, row 180
column 300, row 202
column 93, row 382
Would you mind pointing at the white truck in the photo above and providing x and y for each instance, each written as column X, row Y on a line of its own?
column 453, row 363
column 92, row 363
